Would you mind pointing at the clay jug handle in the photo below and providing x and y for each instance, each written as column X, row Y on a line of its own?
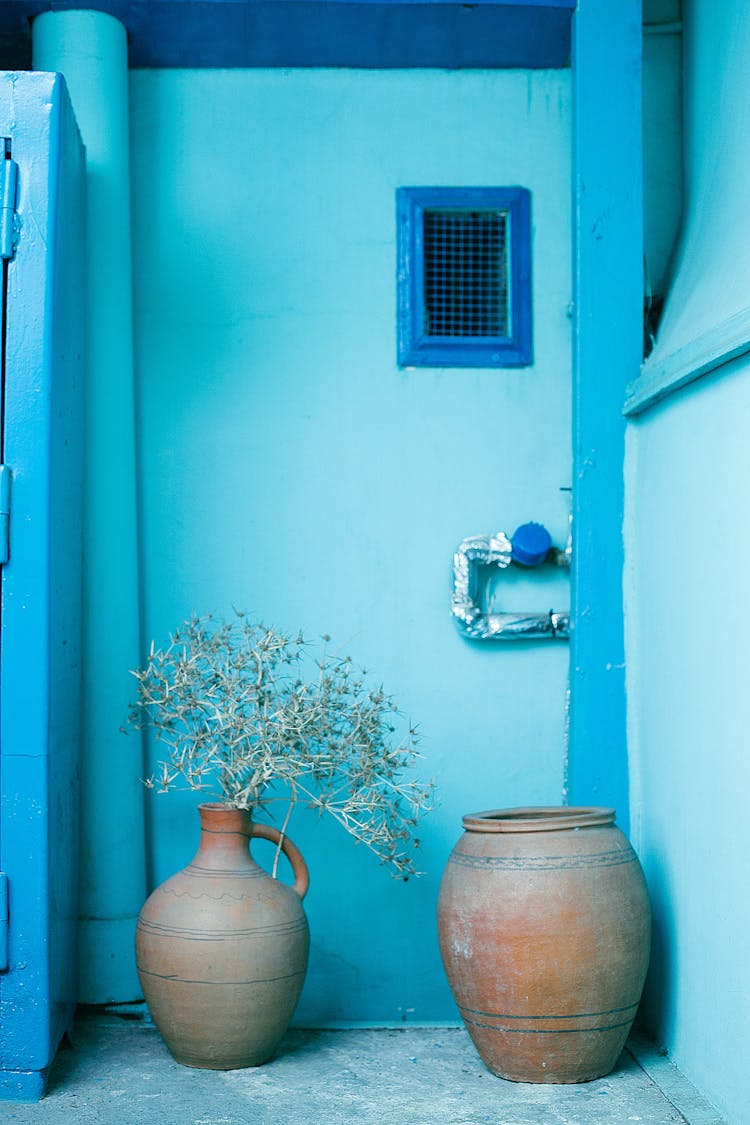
column 292, row 853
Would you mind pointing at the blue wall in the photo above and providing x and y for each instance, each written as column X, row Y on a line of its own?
column 290, row 468
column 687, row 541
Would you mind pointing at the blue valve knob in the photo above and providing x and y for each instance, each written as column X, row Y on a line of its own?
column 530, row 544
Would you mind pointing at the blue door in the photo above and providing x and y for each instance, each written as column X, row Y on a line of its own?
column 42, row 240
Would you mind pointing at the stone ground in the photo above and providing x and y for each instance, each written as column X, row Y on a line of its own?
column 117, row 1071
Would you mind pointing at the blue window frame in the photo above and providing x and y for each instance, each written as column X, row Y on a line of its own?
column 464, row 277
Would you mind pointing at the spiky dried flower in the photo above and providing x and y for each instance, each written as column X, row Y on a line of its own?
column 245, row 708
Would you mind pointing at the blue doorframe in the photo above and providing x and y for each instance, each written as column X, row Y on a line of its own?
column 41, row 582
column 608, row 296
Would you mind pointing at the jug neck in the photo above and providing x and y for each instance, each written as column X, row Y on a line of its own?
column 225, row 836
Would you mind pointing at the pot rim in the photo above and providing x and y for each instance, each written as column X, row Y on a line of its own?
column 539, row 818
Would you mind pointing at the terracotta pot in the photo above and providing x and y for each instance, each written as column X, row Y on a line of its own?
column 222, row 948
column 545, row 928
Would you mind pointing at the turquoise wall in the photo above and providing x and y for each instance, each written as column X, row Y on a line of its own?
column 687, row 541
column 688, row 476
column 289, row 467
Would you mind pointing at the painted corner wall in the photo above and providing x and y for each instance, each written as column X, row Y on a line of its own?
column 687, row 539
column 290, row 468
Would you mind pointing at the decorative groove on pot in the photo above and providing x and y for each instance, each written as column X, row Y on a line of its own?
column 192, row 871
column 293, row 927
column 546, row 862
column 213, row 980
column 549, row 1030
column 572, row 1016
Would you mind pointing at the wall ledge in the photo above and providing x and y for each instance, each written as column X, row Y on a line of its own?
column 698, row 357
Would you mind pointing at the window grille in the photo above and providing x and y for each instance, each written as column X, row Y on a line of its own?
column 464, row 277
column 465, row 273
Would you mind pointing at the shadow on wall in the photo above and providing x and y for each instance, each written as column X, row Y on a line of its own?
column 655, row 1014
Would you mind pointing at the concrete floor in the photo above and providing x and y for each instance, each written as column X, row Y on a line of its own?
column 117, row 1071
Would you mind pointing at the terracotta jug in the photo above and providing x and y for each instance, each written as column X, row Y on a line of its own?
column 222, row 948
column 545, row 929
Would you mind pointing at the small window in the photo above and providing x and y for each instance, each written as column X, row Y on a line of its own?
column 464, row 277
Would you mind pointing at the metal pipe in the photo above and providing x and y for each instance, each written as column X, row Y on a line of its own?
column 472, row 621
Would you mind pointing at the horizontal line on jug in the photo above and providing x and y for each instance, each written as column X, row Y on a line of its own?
column 232, row 983
column 187, row 934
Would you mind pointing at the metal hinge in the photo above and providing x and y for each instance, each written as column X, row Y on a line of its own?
column 8, row 183
column 4, row 921
column 4, row 514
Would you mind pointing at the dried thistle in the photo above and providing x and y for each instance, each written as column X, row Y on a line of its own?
column 247, row 709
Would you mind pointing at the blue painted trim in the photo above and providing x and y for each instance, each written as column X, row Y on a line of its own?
column 608, row 281
column 415, row 347
column 22, row 1085
column 702, row 356
column 360, row 33
column 41, row 584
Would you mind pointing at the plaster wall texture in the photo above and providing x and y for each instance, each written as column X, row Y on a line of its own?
column 289, row 468
column 686, row 535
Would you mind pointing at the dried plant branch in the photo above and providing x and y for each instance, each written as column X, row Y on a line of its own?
column 242, row 707
column 282, row 834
